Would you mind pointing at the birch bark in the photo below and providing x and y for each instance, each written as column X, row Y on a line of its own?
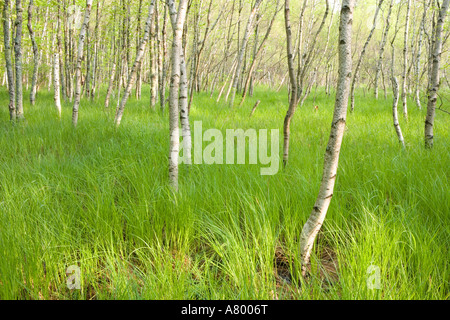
column 319, row 211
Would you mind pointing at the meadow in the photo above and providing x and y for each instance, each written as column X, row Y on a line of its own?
column 98, row 197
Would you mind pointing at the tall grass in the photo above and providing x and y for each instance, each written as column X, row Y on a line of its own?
column 98, row 198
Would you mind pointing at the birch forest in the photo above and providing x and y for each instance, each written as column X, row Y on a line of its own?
column 224, row 150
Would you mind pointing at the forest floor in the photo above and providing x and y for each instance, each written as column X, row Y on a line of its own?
column 98, row 198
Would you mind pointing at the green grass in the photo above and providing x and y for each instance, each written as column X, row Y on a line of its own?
column 98, row 198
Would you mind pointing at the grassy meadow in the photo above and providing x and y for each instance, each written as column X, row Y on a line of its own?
column 98, row 197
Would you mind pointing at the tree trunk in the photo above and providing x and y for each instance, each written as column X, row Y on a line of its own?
column 56, row 83
column 433, row 86
column 361, row 56
column 79, row 60
column 132, row 74
column 320, row 209
column 8, row 59
column 35, row 54
column 293, row 84
column 174, row 88
column 18, row 61
column 242, row 49
column 405, row 62
column 382, row 46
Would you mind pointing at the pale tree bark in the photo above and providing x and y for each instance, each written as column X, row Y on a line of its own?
column 396, row 93
column 8, row 58
column 405, row 62
column 18, row 61
column 57, row 98
column 315, row 221
column 419, row 53
column 361, row 56
column 257, row 52
column 433, row 86
column 293, row 84
column 183, row 97
column 84, row 27
column 132, row 74
column 35, row 54
column 174, row 94
column 163, row 63
column 242, row 48
column 382, row 46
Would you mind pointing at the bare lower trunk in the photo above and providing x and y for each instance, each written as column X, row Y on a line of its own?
column 174, row 88
column 320, row 209
column 382, row 46
column 8, row 59
column 35, row 54
column 84, row 27
column 363, row 52
column 56, row 83
column 132, row 74
column 18, row 61
column 433, row 86
column 405, row 62
column 242, row 49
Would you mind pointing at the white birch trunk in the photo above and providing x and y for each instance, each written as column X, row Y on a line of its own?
column 84, row 27
column 56, row 83
column 320, row 209
column 433, row 86
column 132, row 74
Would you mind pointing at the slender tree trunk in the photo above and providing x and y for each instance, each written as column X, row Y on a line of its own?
column 18, row 61
column 320, row 209
column 174, row 88
column 242, row 49
column 132, row 74
column 35, row 54
column 361, row 56
column 382, row 46
column 293, row 84
column 56, row 83
column 405, row 62
column 8, row 59
column 433, row 86
column 419, row 53
column 84, row 27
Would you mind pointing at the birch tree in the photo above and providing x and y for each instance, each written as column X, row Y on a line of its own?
column 35, row 54
column 134, row 68
column 84, row 27
column 242, row 48
column 382, row 46
column 405, row 61
column 174, row 94
column 433, row 85
column 8, row 59
column 56, row 82
column 18, row 61
column 317, row 217
column 361, row 56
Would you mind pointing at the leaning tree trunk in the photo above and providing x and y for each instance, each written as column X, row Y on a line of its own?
column 84, row 27
column 242, row 50
column 382, row 46
column 132, row 74
column 405, row 62
column 8, row 59
column 433, row 86
column 56, row 83
column 173, row 94
column 293, row 84
column 18, row 61
column 319, row 211
column 363, row 52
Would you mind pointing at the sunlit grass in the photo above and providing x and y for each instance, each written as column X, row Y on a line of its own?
column 98, row 198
